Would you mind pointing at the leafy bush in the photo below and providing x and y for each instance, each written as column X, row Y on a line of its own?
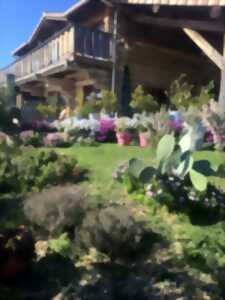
column 213, row 119
column 183, row 94
column 116, row 230
column 57, row 139
column 46, row 110
column 124, row 124
column 92, row 106
column 62, row 245
column 30, row 138
column 177, row 178
column 141, row 102
column 109, row 102
column 57, row 209
column 23, row 172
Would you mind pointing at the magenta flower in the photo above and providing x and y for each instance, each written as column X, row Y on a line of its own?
column 107, row 128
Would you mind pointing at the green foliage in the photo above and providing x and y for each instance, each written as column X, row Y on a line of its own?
column 6, row 115
column 165, row 148
column 141, row 102
column 205, row 95
column 117, row 231
column 109, row 102
column 46, row 110
column 180, row 92
column 183, row 94
column 89, row 107
column 57, row 209
column 61, row 245
column 173, row 159
column 23, row 172
column 158, row 123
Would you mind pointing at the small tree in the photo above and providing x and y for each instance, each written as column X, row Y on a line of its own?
column 183, row 94
column 109, row 101
column 141, row 102
column 49, row 108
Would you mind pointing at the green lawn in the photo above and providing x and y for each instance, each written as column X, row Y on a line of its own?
column 102, row 161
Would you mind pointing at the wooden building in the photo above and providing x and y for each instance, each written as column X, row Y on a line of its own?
column 90, row 45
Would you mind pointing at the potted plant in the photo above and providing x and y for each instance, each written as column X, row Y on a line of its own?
column 144, row 133
column 109, row 103
column 123, row 131
column 141, row 102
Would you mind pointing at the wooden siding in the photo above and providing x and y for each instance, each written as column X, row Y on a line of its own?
column 74, row 40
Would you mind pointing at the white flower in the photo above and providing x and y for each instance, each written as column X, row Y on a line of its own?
column 15, row 121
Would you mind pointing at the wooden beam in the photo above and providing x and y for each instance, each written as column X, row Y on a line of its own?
column 210, row 26
column 205, row 46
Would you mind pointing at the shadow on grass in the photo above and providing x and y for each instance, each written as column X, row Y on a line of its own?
column 55, row 275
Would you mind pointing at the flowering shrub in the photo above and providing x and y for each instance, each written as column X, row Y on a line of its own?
column 214, row 122
column 21, row 173
column 125, row 124
column 56, row 139
column 106, row 131
column 5, row 139
column 30, row 138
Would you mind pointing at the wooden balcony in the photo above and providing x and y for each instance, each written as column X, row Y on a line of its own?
column 66, row 45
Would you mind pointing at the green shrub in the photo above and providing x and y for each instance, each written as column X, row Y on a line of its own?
column 21, row 172
column 141, row 102
column 46, row 110
column 61, row 245
column 92, row 106
column 56, row 209
column 109, row 102
column 176, row 179
column 117, row 231
column 183, row 94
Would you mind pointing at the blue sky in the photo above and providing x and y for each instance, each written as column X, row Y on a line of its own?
column 18, row 19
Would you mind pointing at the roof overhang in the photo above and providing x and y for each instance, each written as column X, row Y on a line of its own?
column 46, row 18
column 202, row 3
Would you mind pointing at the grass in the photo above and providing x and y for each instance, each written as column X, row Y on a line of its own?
column 102, row 161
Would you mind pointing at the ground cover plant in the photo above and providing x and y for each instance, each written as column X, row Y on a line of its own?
column 105, row 269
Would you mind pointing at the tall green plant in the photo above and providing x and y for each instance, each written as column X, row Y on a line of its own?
column 109, row 102
column 183, row 94
column 174, row 159
column 142, row 102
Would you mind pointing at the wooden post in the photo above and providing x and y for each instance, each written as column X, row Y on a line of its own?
column 19, row 100
column 222, row 82
column 215, row 56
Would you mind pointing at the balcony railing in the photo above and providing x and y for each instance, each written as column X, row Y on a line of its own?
column 66, row 44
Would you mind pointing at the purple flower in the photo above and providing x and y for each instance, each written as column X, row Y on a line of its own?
column 175, row 125
column 107, row 127
column 54, row 139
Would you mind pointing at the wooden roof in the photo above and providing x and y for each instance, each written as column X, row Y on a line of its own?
column 174, row 2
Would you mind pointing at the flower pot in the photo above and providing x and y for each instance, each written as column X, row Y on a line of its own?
column 144, row 139
column 123, row 138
